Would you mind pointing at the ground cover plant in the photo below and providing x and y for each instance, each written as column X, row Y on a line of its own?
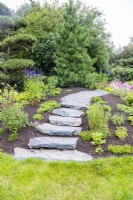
column 107, row 178
column 118, row 119
column 119, row 149
column 47, row 106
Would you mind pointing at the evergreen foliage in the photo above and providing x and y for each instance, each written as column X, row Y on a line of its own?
column 20, row 22
column 98, row 46
column 11, row 68
column 19, row 39
column 12, row 64
column 71, row 58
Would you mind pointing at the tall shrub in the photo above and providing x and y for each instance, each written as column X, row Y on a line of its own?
column 71, row 58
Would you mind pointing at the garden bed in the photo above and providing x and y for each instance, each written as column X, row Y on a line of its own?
column 26, row 133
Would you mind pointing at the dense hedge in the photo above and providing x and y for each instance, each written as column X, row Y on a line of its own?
column 121, row 73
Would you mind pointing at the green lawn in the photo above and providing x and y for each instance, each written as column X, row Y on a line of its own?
column 101, row 179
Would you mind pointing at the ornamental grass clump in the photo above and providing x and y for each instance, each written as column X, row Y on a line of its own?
column 98, row 119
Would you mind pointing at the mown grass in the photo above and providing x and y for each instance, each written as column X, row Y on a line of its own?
column 101, row 179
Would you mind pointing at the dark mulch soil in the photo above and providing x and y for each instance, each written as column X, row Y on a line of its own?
column 26, row 133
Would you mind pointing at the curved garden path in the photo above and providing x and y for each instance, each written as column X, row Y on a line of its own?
column 65, row 123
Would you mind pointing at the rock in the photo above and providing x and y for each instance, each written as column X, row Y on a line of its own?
column 65, row 121
column 81, row 99
column 52, row 155
column 53, row 142
column 54, row 130
column 67, row 112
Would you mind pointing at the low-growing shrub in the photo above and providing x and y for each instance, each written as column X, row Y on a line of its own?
column 118, row 119
column 47, row 106
column 37, row 117
column 86, row 135
column 121, row 73
column 119, row 149
column 98, row 138
column 97, row 100
column 108, row 89
column 121, row 132
column 14, row 118
column 98, row 119
column 131, row 120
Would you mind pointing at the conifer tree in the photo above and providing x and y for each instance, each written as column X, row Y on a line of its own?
column 71, row 58
column 12, row 67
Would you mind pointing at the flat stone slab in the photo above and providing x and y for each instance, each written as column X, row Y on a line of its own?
column 81, row 99
column 65, row 121
column 54, row 130
column 52, row 155
column 68, row 112
column 53, row 142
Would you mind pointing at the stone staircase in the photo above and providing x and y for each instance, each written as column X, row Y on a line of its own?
column 65, row 124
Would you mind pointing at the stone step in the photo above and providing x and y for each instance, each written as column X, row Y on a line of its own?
column 68, row 112
column 53, row 142
column 54, row 130
column 52, row 155
column 80, row 99
column 65, row 121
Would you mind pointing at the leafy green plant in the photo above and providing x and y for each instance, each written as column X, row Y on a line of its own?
column 128, row 99
column 35, row 89
column 121, row 132
column 125, row 108
column 37, row 117
column 98, row 119
column 131, row 120
column 99, row 150
column 97, row 100
column 13, row 137
column 1, row 131
column 98, row 138
column 121, row 73
column 119, row 149
column 47, row 106
column 107, row 108
column 86, row 135
column 14, row 118
column 118, row 119
column 52, row 86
